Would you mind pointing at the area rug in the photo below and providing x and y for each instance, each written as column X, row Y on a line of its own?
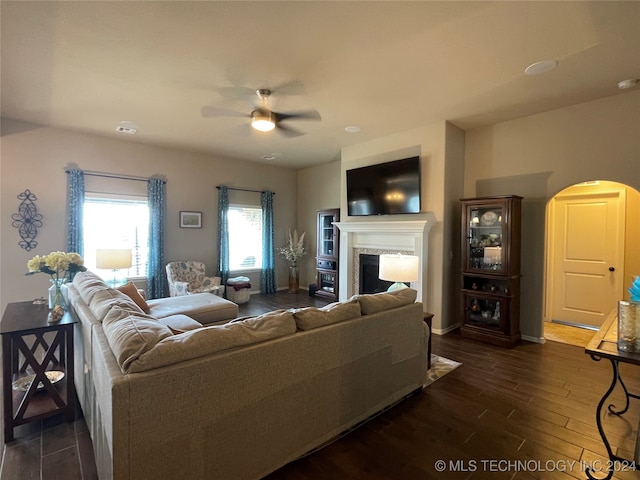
column 440, row 366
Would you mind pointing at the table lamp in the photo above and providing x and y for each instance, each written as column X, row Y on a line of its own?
column 398, row 268
column 113, row 259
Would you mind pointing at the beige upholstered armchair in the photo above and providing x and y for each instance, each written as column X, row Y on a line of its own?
column 188, row 277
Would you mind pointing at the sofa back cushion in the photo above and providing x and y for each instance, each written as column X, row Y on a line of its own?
column 310, row 317
column 88, row 284
column 130, row 335
column 103, row 301
column 376, row 302
column 216, row 338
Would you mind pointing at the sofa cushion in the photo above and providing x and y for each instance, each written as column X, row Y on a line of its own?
column 180, row 322
column 215, row 338
column 202, row 307
column 131, row 291
column 106, row 299
column 130, row 336
column 376, row 302
column 310, row 317
column 88, row 284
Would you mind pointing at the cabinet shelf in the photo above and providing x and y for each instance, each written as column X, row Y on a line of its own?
column 490, row 287
column 327, row 253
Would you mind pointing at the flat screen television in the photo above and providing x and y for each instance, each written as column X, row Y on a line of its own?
column 384, row 189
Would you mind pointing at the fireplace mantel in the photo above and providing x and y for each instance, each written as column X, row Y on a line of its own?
column 410, row 236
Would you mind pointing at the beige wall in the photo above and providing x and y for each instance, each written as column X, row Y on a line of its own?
column 34, row 158
column 429, row 143
column 454, row 191
column 318, row 189
column 538, row 156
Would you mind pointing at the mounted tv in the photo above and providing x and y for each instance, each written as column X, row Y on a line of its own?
column 384, row 189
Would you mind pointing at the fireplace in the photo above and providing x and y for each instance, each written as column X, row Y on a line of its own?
column 378, row 237
column 368, row 278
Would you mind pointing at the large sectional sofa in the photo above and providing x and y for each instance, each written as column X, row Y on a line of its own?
column 168, row 397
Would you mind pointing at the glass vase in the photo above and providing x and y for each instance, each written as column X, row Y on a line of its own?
column 628, row 328
column 56, row 297
column 294, row 279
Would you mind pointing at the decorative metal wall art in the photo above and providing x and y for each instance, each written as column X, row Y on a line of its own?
column 27, row 220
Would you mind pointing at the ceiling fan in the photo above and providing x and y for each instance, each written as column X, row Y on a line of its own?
column 264, row 119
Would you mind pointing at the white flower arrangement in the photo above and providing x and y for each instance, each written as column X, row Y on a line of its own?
column 59, row 265
column 294, row 249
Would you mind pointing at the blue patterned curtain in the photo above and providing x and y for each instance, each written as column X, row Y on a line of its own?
column 223, row 234
column 268, row 273
column 155, row 263
column 75, row 209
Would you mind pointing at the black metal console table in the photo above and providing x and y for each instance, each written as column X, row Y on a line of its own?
column 605, row 345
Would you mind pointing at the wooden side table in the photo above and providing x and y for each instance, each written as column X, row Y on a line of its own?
column 31, row 347
column 428, row 319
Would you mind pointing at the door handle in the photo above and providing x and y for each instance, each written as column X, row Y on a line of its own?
column 612, row 269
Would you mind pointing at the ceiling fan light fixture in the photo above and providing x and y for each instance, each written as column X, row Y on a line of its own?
column 263, row 121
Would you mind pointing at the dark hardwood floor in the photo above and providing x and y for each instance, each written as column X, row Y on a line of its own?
column 525, row 413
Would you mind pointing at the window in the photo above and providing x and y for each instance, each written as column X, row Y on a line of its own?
column 116, row 222
column 245, row 237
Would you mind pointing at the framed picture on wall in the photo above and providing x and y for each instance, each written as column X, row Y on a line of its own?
column 190, row 219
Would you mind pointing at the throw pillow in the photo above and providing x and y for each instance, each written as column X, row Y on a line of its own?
column 131, row 291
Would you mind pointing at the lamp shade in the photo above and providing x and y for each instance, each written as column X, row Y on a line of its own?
column 113, row 258
column 399, row 268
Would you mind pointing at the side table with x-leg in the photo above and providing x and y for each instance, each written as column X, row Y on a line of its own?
column 37, row 360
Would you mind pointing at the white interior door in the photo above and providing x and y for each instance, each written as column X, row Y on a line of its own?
column 587, row 256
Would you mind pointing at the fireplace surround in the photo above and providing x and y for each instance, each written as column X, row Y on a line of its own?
column 409, row 237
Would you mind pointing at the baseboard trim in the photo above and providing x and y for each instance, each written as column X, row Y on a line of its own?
column 444, row 331
column 533, row 339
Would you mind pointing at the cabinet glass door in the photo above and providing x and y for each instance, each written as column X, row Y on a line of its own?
column 486, row 231
column 326, row 235
column 327, row 282
column 485, row 312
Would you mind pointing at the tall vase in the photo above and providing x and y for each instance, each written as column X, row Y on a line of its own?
column 294, row 279
column 56, row 296
column 628, row 326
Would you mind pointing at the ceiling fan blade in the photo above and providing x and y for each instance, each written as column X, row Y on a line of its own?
column 302, row 115
column 288, row 131
column 210, row 111
column 234, row 93
column 294, row 87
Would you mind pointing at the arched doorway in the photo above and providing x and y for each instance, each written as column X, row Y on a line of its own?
column 591, row 255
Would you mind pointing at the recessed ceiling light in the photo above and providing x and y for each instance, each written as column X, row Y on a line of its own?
column 540, row 67
column 271, row 156
column 630, row 83
column 353, row 129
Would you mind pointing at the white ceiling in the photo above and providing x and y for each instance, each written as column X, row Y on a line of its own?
column 386, row 67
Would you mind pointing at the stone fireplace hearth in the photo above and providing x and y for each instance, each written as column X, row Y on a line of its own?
column 409, row 237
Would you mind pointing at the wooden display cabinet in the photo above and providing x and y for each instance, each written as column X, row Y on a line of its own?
column 490, row 303
column 327, row 256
